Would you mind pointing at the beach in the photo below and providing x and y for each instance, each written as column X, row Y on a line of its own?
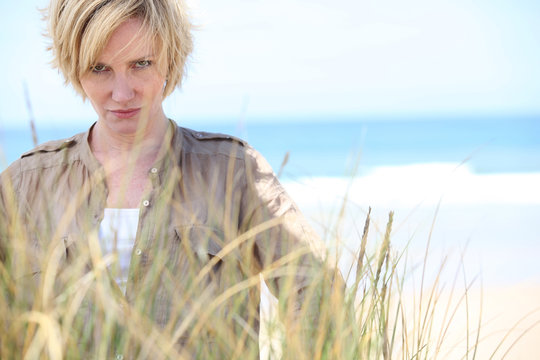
column 509, row 318
column 427, row 111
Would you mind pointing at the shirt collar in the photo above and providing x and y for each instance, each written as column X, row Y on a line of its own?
column 169, row 154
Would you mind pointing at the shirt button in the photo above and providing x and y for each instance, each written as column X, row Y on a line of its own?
column 146, row 203
column 138, row 251
column 153, row 171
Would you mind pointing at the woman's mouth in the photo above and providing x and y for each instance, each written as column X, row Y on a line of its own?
column 125, row 113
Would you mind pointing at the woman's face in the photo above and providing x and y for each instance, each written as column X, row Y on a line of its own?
column 125, row 86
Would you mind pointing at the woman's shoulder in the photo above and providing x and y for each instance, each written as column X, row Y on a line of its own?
column 48, row 154
column 216, row 145
column 210, row 143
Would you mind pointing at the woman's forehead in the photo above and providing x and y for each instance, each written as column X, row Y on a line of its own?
column 131, row 40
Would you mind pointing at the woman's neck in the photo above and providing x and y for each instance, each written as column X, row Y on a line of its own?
column 109, row 144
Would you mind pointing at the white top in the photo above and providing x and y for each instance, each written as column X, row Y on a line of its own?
column 117, row 233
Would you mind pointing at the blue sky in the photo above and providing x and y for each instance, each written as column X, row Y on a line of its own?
column 298, row 58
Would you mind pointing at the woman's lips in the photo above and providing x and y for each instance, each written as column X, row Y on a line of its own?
column 125, row 114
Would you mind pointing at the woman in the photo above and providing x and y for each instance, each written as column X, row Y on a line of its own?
column 209, row 213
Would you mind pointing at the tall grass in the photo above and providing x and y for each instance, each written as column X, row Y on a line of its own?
column 73, row 310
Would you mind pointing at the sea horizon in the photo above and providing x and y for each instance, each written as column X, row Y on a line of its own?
column 343, row 148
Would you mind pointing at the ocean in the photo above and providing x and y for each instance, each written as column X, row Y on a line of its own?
column 345, row 147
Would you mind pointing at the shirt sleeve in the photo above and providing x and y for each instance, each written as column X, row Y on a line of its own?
column 287, row 250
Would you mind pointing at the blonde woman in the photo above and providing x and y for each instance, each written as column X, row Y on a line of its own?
column 180, row 221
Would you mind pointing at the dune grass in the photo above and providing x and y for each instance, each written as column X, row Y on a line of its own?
column 51, row 320
column 74, row 311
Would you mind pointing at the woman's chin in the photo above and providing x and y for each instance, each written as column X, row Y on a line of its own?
column 121, row 126
column 137, row 121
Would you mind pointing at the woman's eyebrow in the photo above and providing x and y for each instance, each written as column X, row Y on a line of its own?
column 145, row 57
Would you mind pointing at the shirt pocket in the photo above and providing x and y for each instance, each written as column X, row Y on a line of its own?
column 39, row 267
column 199, row 250
column 181, row 274
column 44, row 256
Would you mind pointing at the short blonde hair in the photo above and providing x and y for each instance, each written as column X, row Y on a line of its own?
column 80, row 29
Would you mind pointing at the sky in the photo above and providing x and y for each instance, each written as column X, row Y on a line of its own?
column 282, row 59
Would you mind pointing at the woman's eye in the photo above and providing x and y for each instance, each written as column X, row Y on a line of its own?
column 143, row 63
column 99, row 68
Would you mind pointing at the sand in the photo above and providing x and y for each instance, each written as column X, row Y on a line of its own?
column 509, row 318
column 510, row 323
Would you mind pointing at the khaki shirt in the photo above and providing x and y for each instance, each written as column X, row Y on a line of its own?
column 215, row 217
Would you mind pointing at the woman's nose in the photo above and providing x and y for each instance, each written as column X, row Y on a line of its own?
column 123, row 89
